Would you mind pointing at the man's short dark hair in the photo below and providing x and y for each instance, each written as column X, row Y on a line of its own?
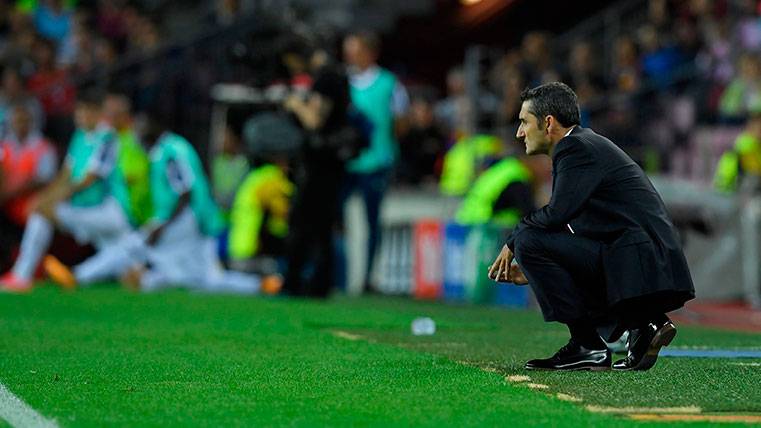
column 555, row 99
column 368, row 39
column 90, row 96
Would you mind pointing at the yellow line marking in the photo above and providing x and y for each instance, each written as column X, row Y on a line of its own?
column 346, row 335
column 518, row 378
column 537, row 386
column 645, row 410
column 568, row 397
column 698, row 418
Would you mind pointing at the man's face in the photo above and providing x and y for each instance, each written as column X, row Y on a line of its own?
column 21, row 122
column 116, row 113
column 87, row 116
column 532, row 132
column 356, row 54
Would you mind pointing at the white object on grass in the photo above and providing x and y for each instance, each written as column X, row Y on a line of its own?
column 423, row 326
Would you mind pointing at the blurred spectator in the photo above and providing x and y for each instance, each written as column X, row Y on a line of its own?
column 176, row 248
column 422, row 147
column 585, row 77
column 537, row 66
column 501, row 195
column 331, row 140
column 27, row 162
column 13, row 93
column 50, row 84
column 660, row 58
column 378, row 95
column 144, row 37
column 259, row 219
column 465, row 161
column 150, row 80
column 228, row 170
column 744, row 160
column 132, row 159
column 52, row 19
column 658, row 15
column 105, row 57
column 508, row 81
column 744, row 92
column 111, row 19
column 455, row 111
column 87, row 199
column 715, row 60
column 748, row 25
column 226, row 12
column 76, row 51
column 19, row 45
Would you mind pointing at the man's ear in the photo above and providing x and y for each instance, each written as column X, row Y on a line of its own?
column 549, row 120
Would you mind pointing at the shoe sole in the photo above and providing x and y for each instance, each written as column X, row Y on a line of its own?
column 663, row 337
column 60, row 274
column 574, row 369
column 580, row 369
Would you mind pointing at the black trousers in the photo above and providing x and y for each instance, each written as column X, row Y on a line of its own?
column 10, row 238
column 310, row 241
column 565, row 272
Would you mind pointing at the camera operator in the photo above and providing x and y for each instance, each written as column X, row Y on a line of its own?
column 330, row 141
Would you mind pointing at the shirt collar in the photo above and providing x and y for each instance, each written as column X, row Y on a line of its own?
column 363, row 79
column 569, row 131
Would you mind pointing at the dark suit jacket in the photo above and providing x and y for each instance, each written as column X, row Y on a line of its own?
column 600, row 193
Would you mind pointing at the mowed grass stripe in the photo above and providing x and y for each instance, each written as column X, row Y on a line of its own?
column 104, row 357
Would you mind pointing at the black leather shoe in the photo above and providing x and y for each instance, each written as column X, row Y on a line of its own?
column 573, row 356
column 644, row 345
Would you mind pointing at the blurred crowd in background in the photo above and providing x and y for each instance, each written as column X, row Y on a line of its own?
column 676, row 66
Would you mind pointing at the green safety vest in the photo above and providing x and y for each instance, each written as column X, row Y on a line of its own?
column 134, row 166
column 248, row 212
column 227, row 173
column 174, row 147
column 478, row 206
column 461, row 161
column 744, row 157
column 375, row 103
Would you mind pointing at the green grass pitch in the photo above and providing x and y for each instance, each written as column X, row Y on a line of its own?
column 105, row 357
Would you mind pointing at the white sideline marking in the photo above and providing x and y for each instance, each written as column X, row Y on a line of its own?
column 18, row 414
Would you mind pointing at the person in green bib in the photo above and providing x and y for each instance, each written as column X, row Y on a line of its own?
column 743, row 160
column 88, row 199
column 501, row 195
column 132, row 158
column 177, row 246
column 380, row 97
column 259, row 220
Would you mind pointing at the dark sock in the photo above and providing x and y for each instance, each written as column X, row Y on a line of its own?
column 660, row 319
column 586, row 335
column 642, row 320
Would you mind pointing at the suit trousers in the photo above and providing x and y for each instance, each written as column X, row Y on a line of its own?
column 565, row 272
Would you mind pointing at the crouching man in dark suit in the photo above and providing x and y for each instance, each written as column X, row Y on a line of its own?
column 603, row 256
